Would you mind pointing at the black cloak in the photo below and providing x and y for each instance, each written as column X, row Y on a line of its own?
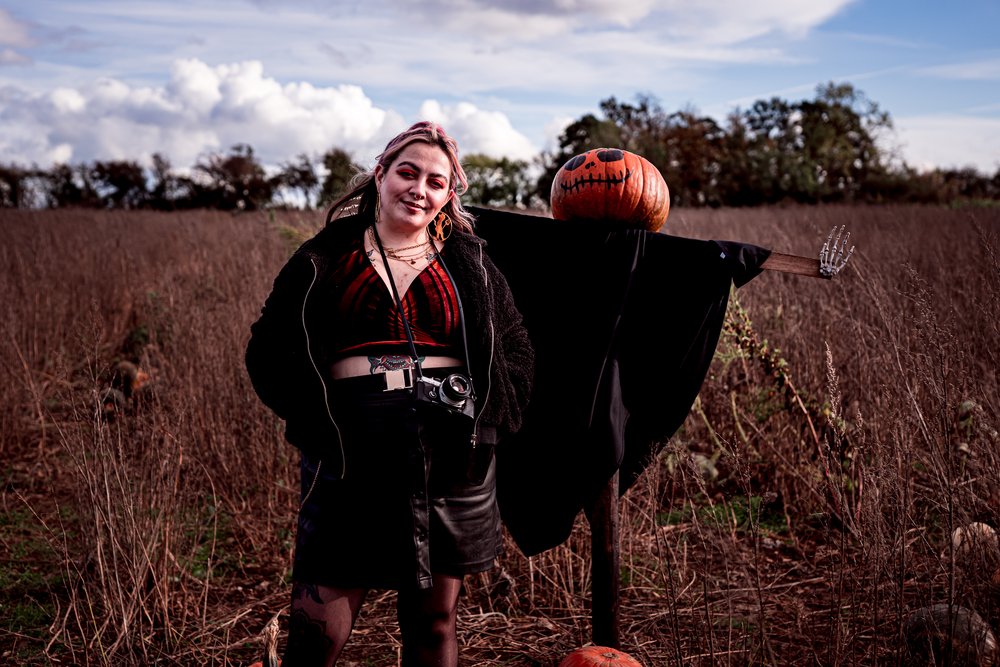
column 624, row 323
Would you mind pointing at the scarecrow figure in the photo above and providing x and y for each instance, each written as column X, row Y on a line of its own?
column 624, row 321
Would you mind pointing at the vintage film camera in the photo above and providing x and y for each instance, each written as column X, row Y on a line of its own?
column 452, row 393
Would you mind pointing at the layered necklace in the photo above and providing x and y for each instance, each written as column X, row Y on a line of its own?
column 403, row 254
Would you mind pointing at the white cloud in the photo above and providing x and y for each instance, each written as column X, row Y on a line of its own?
column 527, row 20
column 553, row 130
column 533, row 47
column 60, row 153
column 194, row 86
column 980, row 70
column 12, row 57
column 479, row 131
column 734, row 21
column 616, row 11
column 710, row 23
column 13, row 35
column 66, row 101
column 13, row 32
column 201, row 109
column 209, row 109
column 506, row 27
column 950, row 141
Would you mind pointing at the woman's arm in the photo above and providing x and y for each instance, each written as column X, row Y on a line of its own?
column 277, row 358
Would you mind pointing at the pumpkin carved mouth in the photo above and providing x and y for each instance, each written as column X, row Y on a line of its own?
column 589, row 180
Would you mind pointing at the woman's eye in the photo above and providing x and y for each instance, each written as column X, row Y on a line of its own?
column 437, row 184
column 406, row 173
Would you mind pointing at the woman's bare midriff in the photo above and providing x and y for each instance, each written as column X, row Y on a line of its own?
column 349, row 367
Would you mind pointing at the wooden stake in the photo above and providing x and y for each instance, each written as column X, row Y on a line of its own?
column 606, row 567
column 803, row 266
column 603, row 514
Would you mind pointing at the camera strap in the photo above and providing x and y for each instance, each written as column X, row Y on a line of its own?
column 406, row 322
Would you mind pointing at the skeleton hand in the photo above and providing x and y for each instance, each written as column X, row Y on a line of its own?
column 832, row 259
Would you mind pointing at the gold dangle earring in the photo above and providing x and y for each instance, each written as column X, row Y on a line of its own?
column 378, row 204
column 442, row 226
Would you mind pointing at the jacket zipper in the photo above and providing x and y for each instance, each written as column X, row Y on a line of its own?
column 489, row 364
column 326, row 394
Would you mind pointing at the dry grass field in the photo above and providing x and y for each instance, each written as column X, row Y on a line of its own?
column 802, row 513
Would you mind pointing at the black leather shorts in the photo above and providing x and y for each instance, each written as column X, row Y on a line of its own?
column 405, row 508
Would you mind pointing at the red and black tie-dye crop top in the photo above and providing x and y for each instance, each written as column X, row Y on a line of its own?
column 367, row 321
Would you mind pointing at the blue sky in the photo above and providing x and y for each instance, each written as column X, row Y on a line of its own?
column 107, row 79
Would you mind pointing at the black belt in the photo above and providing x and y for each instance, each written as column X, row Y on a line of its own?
column 390, row 380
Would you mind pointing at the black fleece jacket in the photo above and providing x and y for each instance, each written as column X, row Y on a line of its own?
column 288, row 359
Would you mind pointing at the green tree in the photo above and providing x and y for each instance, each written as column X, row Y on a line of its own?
column 166, row 190
column 340, row 170
column 234, row 181
column 13, row 186
column 692, row 154
column 68, row 186
column 836, row 134
column 643, row 127
column 299, row 176
column 121, row 184
column 762, row 156
column 735, row 170
column 582, row 135
column 497, row 182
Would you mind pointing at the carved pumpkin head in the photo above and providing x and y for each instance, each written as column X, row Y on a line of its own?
column 611, row 184
column 599, row 656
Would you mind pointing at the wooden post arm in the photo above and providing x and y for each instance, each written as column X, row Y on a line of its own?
column 832, row 258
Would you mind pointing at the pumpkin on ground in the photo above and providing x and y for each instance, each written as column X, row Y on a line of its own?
column 943, row 634
column 599, row 656
column 611, row 184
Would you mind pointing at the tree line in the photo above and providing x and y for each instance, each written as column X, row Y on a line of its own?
column 827, row 149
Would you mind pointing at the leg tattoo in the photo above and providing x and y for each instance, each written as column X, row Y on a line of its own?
column 320, row 623
column 308, row 643
column 301, row 591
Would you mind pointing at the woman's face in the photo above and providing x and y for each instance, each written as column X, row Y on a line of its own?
column 414, row 187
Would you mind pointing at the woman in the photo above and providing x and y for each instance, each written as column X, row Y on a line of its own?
column 392, row 348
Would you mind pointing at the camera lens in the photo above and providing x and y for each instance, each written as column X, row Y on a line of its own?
column 455, row 389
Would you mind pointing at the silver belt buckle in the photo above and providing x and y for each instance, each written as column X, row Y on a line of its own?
column 398, row 379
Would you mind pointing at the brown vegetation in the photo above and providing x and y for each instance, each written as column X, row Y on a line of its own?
column 804, row 510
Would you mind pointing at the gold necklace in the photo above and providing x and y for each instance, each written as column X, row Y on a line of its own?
column 412, row 259
column 398, row 254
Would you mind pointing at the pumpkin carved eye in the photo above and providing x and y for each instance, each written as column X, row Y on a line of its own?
column 613, row 185
column 575, row 162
